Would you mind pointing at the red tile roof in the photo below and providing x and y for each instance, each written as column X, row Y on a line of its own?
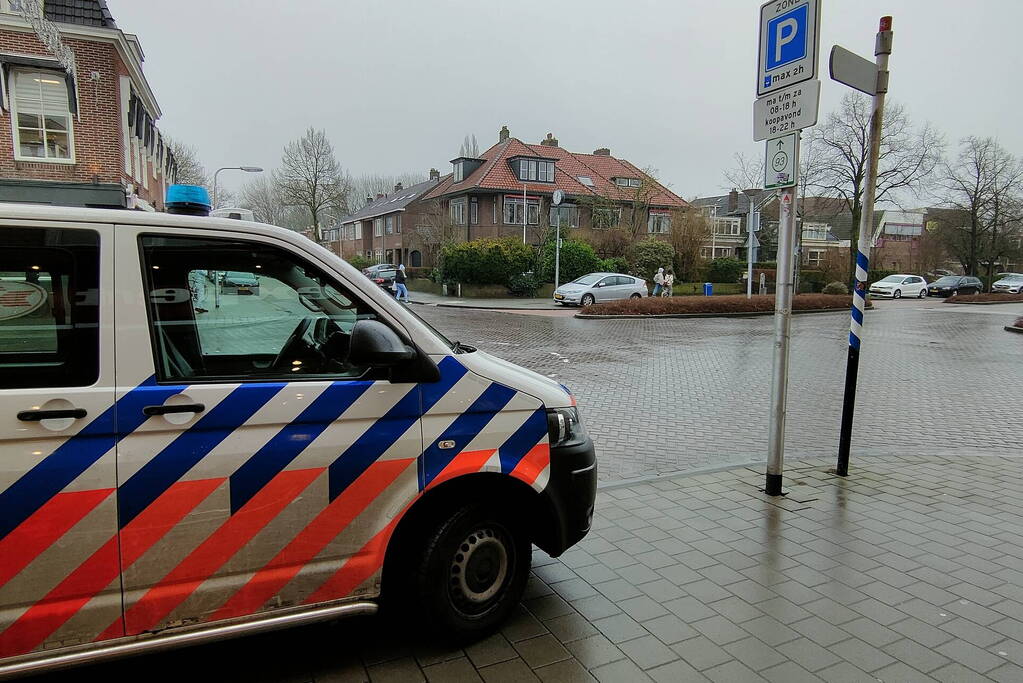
column 496, row 174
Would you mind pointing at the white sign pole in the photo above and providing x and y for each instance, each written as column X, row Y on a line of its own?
column 749, row 248
column 782, row 335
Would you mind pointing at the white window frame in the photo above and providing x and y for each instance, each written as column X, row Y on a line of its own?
column 15, row 137
column 458, row 173
column 815, row 231
column 726, row 252
column 814, row 257
column 378, row 227
column 573, row 216
column 658, row 223
column 474, row 211
column 358, row 230
column 532, row 210
column 616, row 214
column 389, row 225
column 456, row 209
column 727, row 227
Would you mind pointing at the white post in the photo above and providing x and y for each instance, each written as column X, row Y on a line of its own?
column 524, row 213
column 749, row 248
column 557, row 252
column 782, row 334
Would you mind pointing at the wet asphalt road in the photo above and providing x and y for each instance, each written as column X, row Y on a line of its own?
column 671, row 395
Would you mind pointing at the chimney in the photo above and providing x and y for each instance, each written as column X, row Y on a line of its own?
column 369, row 200
column 380, row 195
column 549, row 141
column 398, row 187
column 602, row 152
column 733, row 201
column 434, row 174
column 504, row 134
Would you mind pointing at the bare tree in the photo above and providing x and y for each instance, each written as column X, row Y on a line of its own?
column 190, row 169
column 263, row 197
column 311, row 176
column 372, row 184
column 746, row 174
column 436, row 230
column 984, row 185
column 690, row 230
column 908, row 158
column 470, row 148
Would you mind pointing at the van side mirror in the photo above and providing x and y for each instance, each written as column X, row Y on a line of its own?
column 375, row 345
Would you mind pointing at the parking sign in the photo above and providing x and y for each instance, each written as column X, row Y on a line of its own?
column 789, row 38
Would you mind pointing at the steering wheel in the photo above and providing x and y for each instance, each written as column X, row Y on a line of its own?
column 293, row 340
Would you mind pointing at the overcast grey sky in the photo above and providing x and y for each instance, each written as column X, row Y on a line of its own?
column 667, row 84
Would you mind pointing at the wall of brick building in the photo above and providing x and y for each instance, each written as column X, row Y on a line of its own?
column 97, row 129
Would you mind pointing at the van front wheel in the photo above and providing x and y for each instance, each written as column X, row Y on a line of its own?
column 472, row 572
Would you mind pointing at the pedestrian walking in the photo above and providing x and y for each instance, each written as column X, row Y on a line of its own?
column 658, row 282
column 400, row 290
column 669, row 281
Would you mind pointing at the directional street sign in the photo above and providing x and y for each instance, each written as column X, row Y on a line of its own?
column 789, row 38
column 852, row 70
column 786, row 110
column 781, row 162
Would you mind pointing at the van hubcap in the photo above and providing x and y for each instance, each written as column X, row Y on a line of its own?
column 479, row 569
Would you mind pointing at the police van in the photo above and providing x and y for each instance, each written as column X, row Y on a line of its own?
column 178, row 465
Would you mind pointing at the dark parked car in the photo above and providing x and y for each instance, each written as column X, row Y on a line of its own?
column 238, row 282
column 950, row 285
column 373, row 270
column 384, row 278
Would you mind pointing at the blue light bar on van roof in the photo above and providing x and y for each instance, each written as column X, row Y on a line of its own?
column 188, row 199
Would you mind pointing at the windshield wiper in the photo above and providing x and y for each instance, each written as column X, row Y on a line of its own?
column 459, row 347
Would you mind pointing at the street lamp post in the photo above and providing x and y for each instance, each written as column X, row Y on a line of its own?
column 247, row 169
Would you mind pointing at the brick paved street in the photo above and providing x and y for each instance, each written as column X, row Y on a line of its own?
column 908, row 571
column 671, row 395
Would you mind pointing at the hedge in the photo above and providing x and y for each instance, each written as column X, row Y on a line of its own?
column 577, row 259
column 486, row 261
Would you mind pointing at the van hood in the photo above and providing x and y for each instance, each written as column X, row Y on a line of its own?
column 553, row 394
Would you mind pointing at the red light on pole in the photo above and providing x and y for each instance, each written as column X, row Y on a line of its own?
column 886, row 24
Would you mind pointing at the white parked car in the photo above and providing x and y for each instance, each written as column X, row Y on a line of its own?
column 898, row 286
column 600, row 287
column 1011, row 283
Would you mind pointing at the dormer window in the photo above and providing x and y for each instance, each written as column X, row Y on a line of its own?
column 538, row 170
column 627, row 182
column 463, row 167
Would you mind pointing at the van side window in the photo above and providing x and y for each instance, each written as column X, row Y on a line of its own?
column 231, row 310
column 49, row 308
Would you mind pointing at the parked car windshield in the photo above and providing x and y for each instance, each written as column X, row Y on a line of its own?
column 587, row 279
column 947, row 280
column 892, row 278
column 1012, row 278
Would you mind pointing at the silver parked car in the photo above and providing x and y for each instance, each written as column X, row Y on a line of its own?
column 599, row 287
column 1011, row 283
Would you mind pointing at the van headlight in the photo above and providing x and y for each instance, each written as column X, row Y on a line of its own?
column 564, row 426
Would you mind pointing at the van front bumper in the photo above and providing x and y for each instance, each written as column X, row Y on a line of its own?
column 569, row 495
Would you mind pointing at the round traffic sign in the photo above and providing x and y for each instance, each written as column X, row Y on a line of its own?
column 558, row 197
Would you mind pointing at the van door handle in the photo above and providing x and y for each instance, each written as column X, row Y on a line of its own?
column 180, row 408
column 37, row 415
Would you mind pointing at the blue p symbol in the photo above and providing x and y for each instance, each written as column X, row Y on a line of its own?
column 786, row 37
column 767, row 81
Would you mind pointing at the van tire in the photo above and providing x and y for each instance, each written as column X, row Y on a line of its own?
column 471, row 572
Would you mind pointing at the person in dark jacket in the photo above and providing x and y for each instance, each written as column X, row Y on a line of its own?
column 400, row 290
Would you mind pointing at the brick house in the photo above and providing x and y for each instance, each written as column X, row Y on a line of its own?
column 79, row 112
column 384, row 229
column 507, row 191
